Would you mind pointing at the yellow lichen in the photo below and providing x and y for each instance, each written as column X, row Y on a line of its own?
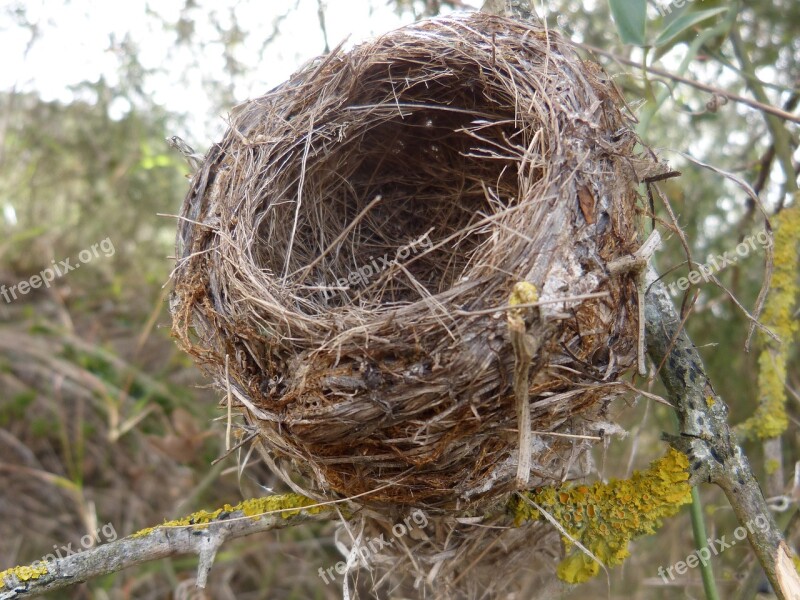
column 523, row 293
column 287, row 505
column 25, row 573
column 255, row 507
column 770, row 418
column 604, row 517
column 143, row 532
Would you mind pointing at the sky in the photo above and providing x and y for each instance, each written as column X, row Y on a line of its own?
column 79, row 40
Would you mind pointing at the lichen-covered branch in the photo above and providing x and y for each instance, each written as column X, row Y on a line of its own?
column 770, row 418
column 604, row 517
column 705, row 436
column 200, row 533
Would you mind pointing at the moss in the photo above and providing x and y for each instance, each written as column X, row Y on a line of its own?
column 289, row 505
column 772, row 466
column 770, row 418
column 25, row 573
column 605, row 517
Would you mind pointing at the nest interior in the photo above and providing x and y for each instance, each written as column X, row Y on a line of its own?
column 346, row 255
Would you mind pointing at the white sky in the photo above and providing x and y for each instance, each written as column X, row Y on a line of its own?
column 75, row 46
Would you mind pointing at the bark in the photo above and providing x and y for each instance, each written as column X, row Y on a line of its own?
column 706, row 438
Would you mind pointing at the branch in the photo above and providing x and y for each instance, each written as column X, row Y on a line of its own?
column 201, row 533
column 761, row 106
column 706, row 438
column 195, row 159
column 601, row 519
column 780, row 136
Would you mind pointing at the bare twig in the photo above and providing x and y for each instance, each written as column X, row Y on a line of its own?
column 706, row 437
column 195, row 159
column 323, row 27
column 526, row 344
column 767, row 108
column 638, row 264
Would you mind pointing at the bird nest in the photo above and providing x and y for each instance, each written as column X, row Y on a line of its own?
column 354, row 253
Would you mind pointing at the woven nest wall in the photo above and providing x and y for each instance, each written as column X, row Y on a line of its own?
column 347, row 252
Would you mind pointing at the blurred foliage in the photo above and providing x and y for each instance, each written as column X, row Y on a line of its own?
column 426, row 8
column 100, row 417
column 72, row 176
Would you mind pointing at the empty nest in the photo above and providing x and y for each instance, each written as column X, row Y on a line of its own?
column 347, row 252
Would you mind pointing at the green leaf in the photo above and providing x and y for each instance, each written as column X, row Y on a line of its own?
column 629, row 15
column 684, row 22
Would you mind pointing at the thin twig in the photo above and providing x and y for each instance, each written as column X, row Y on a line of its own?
column 767, row 108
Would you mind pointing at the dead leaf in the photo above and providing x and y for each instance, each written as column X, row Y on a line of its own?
column 586, row 202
